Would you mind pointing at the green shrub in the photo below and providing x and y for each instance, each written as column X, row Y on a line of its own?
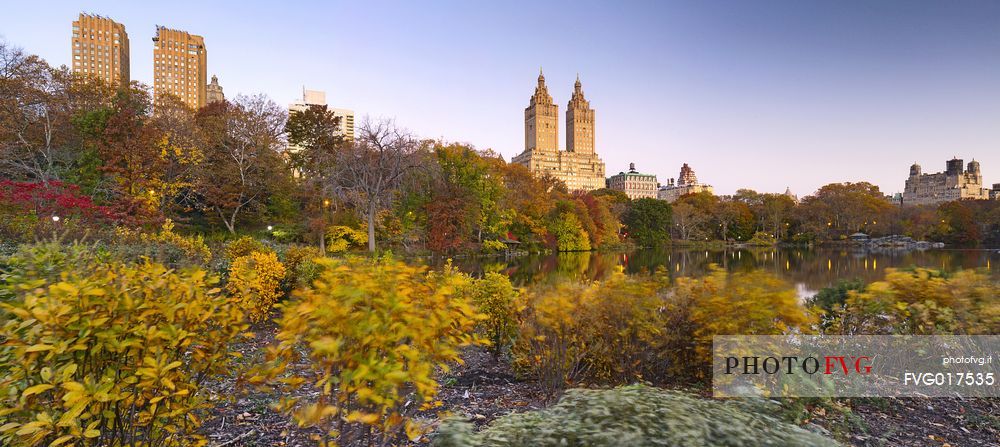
column 106, row 353
column 635, row 415
column 495, row 297
column 299, row 266
column 762, row 239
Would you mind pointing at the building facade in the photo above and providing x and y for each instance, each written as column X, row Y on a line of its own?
column 100, row 49
column 180, row 66
column 955, row 183
column 213, row 91
column 578, row 166
column 318, row 98
column 686, row 183
column 634, row 184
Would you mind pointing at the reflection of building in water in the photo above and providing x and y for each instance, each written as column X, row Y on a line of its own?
column 687, row 183
column 634, row 184
column 953, row 184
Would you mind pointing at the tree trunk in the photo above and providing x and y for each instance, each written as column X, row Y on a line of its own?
column 371, row 227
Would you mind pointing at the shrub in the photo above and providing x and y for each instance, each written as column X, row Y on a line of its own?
column 255, row 280
column 762, row 239
column 244, row 246
column 923, row 301
column 374, row 332
column 495, row 297
column 720, row 303
column 26, row 210
column 493, row 246
column 165, row 246
column 633, row 416
column 299, row 266
column 108, row 353
column 339, row 238
column 596, row 333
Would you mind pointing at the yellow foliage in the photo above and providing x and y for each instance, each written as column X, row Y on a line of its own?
column 244, row 246
column 923, row 301
column 109, row 353
column 193, row 248
column 255, row 279
column 340, row 238
column 720, row 303
column 589, row 333
column 374, row 332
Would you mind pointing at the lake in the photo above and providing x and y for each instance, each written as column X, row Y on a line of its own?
column 809, row 269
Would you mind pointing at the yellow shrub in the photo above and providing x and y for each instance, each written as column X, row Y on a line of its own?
column 255, row 279
column 164, row 246
column 339, row 238
column 596, row 333
column 193, row 247
column 111, row 354
column 244, row 246
column 374, row 332
column 495, row 297
column 719, row 303
column 923, row 301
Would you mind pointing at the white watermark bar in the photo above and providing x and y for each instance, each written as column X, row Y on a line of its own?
column 856, row 366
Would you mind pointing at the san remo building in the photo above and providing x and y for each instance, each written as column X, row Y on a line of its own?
column 578, row 166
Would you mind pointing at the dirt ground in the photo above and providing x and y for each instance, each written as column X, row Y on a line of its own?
column 483, row 389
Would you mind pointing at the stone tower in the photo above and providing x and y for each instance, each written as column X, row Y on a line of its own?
column 213, row 91
column 541, row 120
column 579, row 122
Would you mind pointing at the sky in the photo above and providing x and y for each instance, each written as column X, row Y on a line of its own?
column 759, row 94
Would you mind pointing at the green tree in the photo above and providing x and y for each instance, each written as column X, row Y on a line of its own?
column 648, row 222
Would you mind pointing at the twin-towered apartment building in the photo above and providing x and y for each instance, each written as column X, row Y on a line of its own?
column 579, row 166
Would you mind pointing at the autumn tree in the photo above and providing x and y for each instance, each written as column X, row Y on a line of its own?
column 242, row 158
column 844, row 208
column 369, row 172
column 36, row 132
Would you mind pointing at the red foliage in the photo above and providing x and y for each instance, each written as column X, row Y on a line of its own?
column 54, row 199
column 447, row 225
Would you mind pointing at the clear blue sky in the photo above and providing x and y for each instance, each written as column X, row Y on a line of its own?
column 759, row 94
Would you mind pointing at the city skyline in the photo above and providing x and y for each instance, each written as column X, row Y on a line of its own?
column 763, row 95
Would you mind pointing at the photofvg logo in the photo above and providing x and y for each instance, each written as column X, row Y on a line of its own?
column 830, row 364
column 854, row 366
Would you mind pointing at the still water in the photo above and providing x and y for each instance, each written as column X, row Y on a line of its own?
column 809, row 270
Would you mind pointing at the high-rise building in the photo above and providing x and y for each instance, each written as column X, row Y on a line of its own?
column 318, row 98
column 579, row 122
column 213, row 91
column 100, row 49
column 955, row 183
column 634, row 184
column 686, row 183
column 180, row 66
column 578, row 166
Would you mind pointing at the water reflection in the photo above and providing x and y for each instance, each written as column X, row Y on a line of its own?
column 808, row 269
